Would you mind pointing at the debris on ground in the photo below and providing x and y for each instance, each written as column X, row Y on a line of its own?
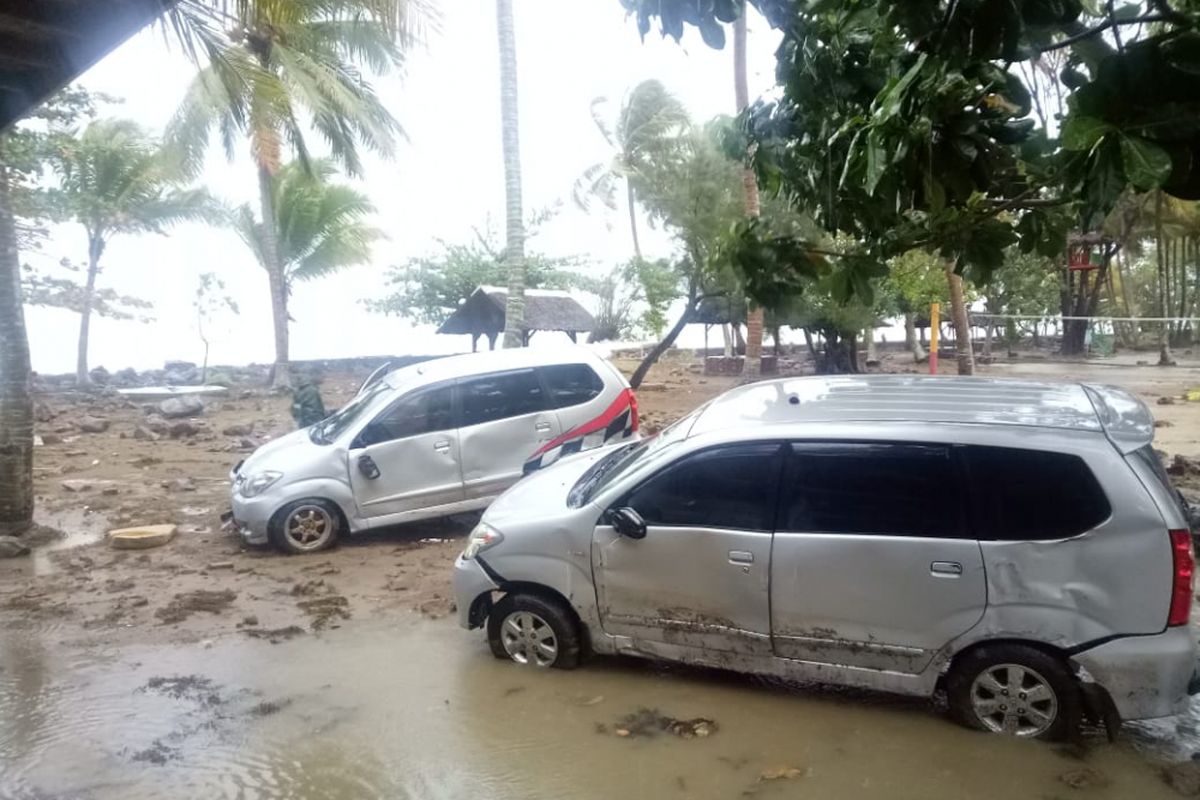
column 781, row 773
column 188, row 405
column 650, row 722
column 325, row 611
column 157, row 753
column 268, row 707
column 188, row 603
column 140, row 537
column 274, row 635
column 1085, row 778
column 90, row 424
column 1183, row 778
column 11, row 547
column 1166, row 400
column 194, row 688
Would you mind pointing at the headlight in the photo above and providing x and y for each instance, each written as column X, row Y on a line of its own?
column 259, row 482
column 483, row 537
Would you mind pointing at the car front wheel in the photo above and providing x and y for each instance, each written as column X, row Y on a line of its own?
column 533, row 632
column 306, row 526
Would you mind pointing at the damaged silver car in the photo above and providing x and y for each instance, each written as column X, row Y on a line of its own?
column 1017, row 545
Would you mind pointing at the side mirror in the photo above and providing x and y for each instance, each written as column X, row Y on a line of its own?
column 627, row 522
column 368, row 467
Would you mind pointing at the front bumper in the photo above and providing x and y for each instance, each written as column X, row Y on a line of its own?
column 471, row 583
column 1146, row 676
column 251, row 517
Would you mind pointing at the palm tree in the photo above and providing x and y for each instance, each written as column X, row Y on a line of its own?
column 116, row 179
column 16, row 380
column 320, row 227
column 276, row 65
column 514, row 221
column 651, row 122
column 754, row 320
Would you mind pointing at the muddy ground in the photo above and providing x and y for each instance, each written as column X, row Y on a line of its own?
column 205, row 583
column 189, row 634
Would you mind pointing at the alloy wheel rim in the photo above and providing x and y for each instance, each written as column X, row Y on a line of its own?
column 1013, row 699
column 528, row 639
column 308, row 527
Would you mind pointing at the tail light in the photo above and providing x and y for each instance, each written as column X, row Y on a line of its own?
column 1184, row 562
column 633, row 410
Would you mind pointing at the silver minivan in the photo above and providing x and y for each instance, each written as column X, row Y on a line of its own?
column 433, row 439
column 1016, row 544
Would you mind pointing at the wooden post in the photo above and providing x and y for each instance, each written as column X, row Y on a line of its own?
column 933, row 338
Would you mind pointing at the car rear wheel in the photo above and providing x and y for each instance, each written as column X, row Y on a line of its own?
column 533, row 632
column 1015, row 690
column 306, row 526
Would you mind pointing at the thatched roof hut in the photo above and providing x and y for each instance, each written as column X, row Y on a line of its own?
column 482, row 314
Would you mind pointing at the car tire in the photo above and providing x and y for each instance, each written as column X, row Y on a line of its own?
column 306, row 526
column 1014, row 689
column 534, row 631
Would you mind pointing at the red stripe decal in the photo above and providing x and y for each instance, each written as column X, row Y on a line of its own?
column 623, row 401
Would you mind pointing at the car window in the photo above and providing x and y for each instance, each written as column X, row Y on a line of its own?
column 728, row 487
column 571, row 384
column 1025, row 495
column 340, row 421
column 421, row 411
column 499, row 396
column 877, row 489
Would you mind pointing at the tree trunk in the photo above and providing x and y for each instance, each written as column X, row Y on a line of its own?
column 514, row 250
column 911, row 340
column 95, row 250
column 962, row 324
column 872, row 352
column 741, row 89
column 16, row 383
column 1164, row 347
column 656, row 352
column 839, row 355
column 280, row 375
column 633, row 229
column 727, row 336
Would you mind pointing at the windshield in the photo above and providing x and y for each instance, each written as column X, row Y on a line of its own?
column 622, row 459
column 339, row 421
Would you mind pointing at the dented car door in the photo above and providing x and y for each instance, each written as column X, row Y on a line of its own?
column 699, row 577
column 873, row 564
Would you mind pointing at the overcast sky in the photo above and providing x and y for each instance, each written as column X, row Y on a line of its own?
column 445, row 179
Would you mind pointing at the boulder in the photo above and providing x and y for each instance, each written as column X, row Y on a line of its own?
column 179, row 485
column 188, row 405
column 180, row 373
column 239, row 430
column 184, row 428
column 100, row 376
column 43, row 411
column 144, row 433
column 157, row 424
column 51, row 438
column 11, row 547
column 85, row 485
column 90, row 424
column 140, row 537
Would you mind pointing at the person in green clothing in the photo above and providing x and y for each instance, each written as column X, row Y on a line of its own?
column 307, row 407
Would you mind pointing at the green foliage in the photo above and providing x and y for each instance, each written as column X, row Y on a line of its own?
column 906, row 124
column 320, row 223
column 42, row 288
column 659, row 284
column 429, row 288
column 917, row 279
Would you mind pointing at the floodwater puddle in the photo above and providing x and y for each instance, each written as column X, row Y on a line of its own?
column 420, row 709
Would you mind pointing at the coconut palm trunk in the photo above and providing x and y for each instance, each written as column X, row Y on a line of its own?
column 514, row 250
column 964, row 354
column 633, row 228
column 95, row 250
column 16, row 382
column 754, row 320
column 280, row 375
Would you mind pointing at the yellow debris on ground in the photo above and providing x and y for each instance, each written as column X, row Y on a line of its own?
column 140, row 537
column 1192, row 395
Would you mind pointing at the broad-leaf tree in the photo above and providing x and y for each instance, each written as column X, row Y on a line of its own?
column 649, row 131
column 319, row 227
column 273, row 70
column 906, row 123
column 116, row 179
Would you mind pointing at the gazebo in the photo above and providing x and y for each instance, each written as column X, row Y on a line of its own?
column 482, row 314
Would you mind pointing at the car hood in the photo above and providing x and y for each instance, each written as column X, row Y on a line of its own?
column 281, row 454
column 542, row 493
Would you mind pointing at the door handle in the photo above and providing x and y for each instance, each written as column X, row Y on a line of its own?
column 442, row 446
column 741, row 557
column 946, row 569
column 542, row 427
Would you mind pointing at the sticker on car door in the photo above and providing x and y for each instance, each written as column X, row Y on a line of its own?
column 615, row 423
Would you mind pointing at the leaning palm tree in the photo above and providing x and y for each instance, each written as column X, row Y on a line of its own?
column 651, row 123
column 320, row 225
column 276, row 66
column 116, row 179
column 514, row 220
